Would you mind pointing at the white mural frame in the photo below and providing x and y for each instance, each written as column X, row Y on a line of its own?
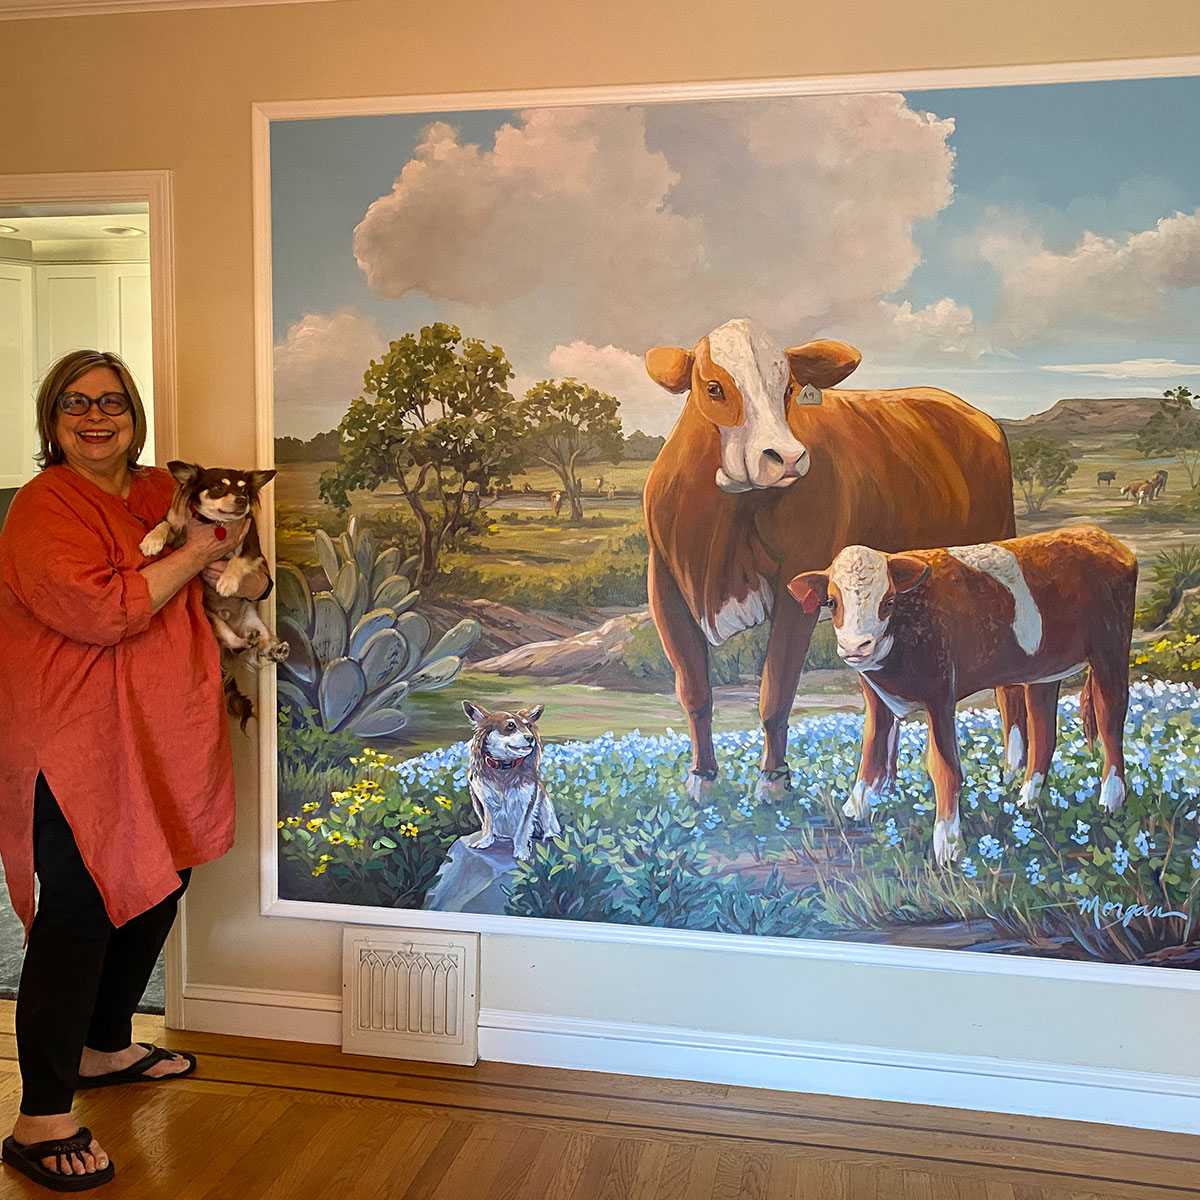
column 263, row 115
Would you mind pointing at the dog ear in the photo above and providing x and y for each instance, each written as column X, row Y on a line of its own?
column 260, row 479
column 475, row 712
column 184, row 472
column 531, row 715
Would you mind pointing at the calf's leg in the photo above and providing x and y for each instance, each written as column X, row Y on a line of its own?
column 1014, row 727
column 1109, row 686
column 945, row 768
column 1041, row 700
column 877, row 770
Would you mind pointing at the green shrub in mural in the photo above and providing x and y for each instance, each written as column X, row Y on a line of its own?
column 359, row 649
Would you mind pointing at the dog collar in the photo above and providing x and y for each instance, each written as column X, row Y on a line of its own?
column 498, row 764
column 220, row 533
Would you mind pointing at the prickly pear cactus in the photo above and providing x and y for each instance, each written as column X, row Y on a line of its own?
column 358, row 649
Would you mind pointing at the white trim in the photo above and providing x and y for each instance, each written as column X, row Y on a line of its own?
column 907, row 81
column 1056, row 1090
column 581, row 931
column 23, row 10
column 255, row 1012
column 1127, row 1098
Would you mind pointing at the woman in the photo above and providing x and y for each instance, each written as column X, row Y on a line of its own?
column 115, row 768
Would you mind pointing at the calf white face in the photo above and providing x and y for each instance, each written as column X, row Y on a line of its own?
column 743, row 384
column 860, row 590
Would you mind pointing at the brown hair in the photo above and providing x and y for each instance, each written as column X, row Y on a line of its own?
column 60, row 377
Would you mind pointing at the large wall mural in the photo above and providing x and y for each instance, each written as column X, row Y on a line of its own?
column 776, row 517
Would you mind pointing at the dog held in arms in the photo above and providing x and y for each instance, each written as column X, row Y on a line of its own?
column 221, row 496
column 502, row 773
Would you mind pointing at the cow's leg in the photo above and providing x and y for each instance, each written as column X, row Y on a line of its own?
column 687, row 648
column 1041, row 700
column 1014, row 728
column 877, row 770
column 945, row 769
column 787, row 646
column 1110, row 695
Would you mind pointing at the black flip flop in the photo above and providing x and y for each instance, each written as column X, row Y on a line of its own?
column 28, row 1160
column 136, row 1073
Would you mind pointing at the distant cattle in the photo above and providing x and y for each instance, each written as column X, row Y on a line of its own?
column 767, row 474
column 611, row 491
column 1159, row 479
column 1141, row 490
column 928, row 628
column 1106, row 477
column 555, row 503
column 599, row 485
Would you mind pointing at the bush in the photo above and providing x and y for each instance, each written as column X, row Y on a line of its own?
column 1173, row 572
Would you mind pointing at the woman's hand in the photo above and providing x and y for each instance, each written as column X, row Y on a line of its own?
column 250, row 586
column 206, row 547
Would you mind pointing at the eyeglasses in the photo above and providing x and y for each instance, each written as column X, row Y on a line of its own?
column 112, row 404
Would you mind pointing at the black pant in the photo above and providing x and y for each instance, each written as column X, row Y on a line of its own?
column 83, row 976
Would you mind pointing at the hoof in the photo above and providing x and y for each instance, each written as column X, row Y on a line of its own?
column 947, row 844
column 699, row 786
column 861, row 800
column 772, row 786
column 1031, row 789
column 1112, row 792
column 1014, row 753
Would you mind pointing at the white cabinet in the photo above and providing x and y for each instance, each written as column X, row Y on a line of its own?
column 48, row 309
column 18, row 428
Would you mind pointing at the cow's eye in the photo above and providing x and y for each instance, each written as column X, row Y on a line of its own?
column 831, row 604
column 887, row 604
column 716, row 391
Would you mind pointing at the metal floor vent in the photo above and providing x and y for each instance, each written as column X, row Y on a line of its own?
column 409, row 994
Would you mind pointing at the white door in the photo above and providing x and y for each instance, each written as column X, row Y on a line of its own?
column 18, row 428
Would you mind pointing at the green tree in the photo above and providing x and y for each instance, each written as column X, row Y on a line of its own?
column 1041, row 467
column 1174, row 429
column 569, row 424
column 437, row 419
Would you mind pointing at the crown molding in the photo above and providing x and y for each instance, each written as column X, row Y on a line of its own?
column 24, row 10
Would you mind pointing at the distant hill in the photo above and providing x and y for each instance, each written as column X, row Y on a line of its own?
column 1086, row 418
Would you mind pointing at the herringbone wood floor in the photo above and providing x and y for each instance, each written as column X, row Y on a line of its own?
column 264, row 1120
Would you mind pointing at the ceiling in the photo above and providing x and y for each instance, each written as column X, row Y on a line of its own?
column 67, row 225
column 25, row 9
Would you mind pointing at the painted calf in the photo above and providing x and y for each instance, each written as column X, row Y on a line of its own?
column 926, row 628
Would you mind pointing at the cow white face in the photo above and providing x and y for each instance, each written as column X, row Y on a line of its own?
column 743, row 384
column 860, row 590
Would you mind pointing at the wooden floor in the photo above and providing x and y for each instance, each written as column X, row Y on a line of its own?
column 263, row 1120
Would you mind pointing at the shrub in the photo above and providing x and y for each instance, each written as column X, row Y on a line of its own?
column 1174, row 572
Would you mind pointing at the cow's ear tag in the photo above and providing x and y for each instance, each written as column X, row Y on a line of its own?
column 809, row 395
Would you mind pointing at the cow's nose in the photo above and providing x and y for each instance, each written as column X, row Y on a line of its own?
column 858, row 649
column 791, row 463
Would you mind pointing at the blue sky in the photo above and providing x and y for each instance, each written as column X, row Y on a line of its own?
column 1013, row 245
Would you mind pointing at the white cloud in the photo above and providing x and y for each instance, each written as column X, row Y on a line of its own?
column 1131, row 368
column 944, row 329
column 644, row 405
column 799, row 212
column 1125, row 284
column 319, row 369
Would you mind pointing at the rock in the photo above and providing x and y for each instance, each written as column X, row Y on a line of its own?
column 471, row 880
column 579, row 658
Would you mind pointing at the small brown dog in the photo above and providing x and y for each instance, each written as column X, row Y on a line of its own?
column 221, row 496
column 502, row 773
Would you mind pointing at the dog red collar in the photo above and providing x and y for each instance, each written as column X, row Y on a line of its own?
column 498, row 764
column 220, row 533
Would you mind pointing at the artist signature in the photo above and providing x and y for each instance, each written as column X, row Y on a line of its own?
column 1106, row 913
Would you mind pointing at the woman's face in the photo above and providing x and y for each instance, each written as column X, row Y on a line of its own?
column 95, row 443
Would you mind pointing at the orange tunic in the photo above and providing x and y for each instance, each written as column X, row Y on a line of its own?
column 121, row 710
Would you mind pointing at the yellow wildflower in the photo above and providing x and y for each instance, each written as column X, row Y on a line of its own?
column 293, row 821
column 354, row 762
column 368, row 783
column 319, row 871
column 338, row 797
column 409, row 830
column 354, row 810
column 442, row 801
column 310, row 807
column 383, row 758
column 424, row 812
column 315, row 824
column 280, row 825
column 335, row 838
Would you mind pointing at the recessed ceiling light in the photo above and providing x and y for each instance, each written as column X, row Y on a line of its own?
column 122, row 231
column 9, row 229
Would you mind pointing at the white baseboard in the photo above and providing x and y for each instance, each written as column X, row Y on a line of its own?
column 1054, row 1090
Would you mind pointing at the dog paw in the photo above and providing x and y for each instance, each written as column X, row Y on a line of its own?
column 278, row 652
column 152, row 543
column 227, row 584
column 253, row 638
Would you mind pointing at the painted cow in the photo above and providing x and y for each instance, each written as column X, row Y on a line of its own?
column 767, row 474
column 928, row 628
column 1141, row 490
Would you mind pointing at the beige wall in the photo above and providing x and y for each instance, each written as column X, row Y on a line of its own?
column 174, row 89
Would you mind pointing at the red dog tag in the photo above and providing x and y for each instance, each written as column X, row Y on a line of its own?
column 219, row 533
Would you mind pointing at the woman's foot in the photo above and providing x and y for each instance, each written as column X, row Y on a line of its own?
column 96, row 1062
column 28, row 1130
